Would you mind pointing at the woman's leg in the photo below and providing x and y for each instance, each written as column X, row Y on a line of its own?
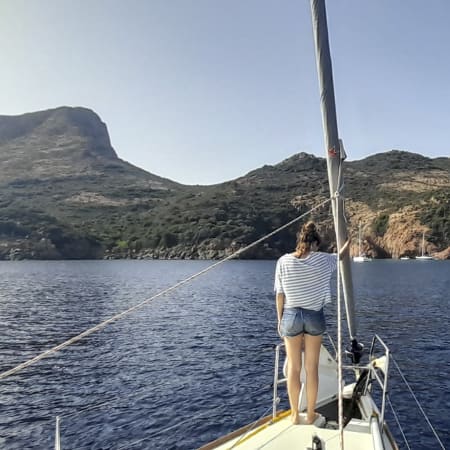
column 312, row 353
column 294, row 355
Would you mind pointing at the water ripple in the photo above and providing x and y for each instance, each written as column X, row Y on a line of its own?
column 204, row 350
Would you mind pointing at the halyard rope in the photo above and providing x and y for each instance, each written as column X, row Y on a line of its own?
column 339, row 345
column 159, row 294
column 339, row 188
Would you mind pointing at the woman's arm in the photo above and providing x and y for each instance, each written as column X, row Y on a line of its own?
column 280, row 307
column 344, row 248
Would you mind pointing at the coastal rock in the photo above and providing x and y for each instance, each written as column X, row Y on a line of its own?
column 445, row 254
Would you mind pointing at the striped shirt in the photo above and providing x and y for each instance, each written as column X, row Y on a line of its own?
column 305, row 282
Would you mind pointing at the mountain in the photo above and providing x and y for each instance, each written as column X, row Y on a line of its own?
column 64, row 193
column 60, row 176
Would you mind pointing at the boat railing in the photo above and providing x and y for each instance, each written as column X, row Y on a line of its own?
column 57, row 435
column 277, row 380
column 377, row 370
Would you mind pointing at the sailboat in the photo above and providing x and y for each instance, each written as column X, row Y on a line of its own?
column 361, row 257
column 424, row 257
column 349, row 418
column 352, row 412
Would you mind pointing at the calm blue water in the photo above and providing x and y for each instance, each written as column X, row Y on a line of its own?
column 204, row 350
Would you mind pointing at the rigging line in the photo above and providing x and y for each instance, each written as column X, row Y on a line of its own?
column 159, row 294
column 339, row 189
column 339, row 332
column 254, row 424
column 417, row 401
column 398, row 422
column 131, row 444
column 48, row 419
column 115, row 402
column 89, row 408
column 200, row 415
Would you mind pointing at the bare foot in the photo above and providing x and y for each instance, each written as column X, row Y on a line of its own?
column 311, row 419
column 295, row 418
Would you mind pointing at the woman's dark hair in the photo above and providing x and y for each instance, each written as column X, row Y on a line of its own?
column 306, row 236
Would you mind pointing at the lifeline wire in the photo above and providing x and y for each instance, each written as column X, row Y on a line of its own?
column 113, row 403
column 418, row 403
column 159, row 294
column 247, row 432
column 132, row 444
column 398, row 422
column 189, row 419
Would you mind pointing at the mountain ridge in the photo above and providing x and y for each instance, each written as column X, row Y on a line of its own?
column 65, row 193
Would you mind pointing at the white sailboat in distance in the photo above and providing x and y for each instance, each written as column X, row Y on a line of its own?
column 424, row 257
column 361, row 257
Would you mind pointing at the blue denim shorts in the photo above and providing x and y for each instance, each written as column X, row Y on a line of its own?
column 296, row 321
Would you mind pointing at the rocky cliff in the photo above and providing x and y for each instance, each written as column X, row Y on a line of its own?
column 64, row 193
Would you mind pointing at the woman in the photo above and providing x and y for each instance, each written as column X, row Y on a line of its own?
column 302, row 286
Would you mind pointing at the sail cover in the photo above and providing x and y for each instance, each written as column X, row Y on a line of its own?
column 334, row 151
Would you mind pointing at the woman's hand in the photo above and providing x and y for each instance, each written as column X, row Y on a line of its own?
column 344, row 248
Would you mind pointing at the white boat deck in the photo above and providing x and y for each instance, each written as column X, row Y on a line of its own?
column 282, row 434
column 366, row 429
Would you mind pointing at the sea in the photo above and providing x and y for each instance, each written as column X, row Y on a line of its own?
column 197, row 362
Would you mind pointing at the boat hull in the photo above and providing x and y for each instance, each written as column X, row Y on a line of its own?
column 361, row 259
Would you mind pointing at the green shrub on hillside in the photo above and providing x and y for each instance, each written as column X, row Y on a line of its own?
column 380, row 224
column 437, row 217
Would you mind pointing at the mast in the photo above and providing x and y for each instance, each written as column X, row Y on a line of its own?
column 334, row 152
column 359, row 239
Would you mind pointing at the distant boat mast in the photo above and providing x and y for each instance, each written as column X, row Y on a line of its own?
column 424, row 257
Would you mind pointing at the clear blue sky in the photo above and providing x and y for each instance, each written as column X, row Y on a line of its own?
column 203, row 91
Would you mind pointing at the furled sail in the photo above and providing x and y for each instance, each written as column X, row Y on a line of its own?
column 334, row 151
